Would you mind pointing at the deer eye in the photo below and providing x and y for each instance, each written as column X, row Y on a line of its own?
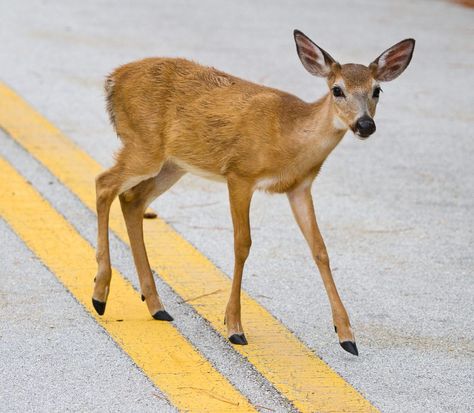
column 377, row 91
column 337, row 92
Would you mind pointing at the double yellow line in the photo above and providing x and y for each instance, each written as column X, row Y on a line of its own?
column 189, row 381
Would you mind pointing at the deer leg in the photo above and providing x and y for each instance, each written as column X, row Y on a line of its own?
column 301, row 203
column 240, row 195
column 123, row 175
column 107, row 188
column 133, row 203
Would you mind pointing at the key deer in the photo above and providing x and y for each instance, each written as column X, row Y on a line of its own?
column 174, row 116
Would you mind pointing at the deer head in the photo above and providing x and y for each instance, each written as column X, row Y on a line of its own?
column 354, row 88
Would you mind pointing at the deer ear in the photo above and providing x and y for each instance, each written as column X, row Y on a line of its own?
column 315, row 60
column 391, row 63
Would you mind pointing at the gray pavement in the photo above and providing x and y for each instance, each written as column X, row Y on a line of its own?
column 396, row 210
column 54, row 357
column 211, row 344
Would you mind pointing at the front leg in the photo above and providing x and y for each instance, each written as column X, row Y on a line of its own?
column 240, row 195
column 301, row 203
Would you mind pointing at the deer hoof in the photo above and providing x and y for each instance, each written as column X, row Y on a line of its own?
column 149, row 214
column 238, row 339
column 143, row 297
column 350, row 347
column 162, row 315
column 99, row 306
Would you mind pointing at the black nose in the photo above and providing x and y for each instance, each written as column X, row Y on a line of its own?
column 365, row 126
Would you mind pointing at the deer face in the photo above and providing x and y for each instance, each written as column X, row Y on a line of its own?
column 354, row 88
column 355, row 95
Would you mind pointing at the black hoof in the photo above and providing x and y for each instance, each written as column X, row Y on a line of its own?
column 99, row 306
column 162, row 315
column 350, row 347
column 335, row 329
column 149, row 215
column 143, row 297
column 238, row 339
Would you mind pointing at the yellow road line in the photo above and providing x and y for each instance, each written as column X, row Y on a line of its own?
column 189, row 380
column 290, row 366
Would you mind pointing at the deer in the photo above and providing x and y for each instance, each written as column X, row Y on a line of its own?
column 174, row 116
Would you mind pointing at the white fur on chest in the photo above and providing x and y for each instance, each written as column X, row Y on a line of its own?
column 264, row 184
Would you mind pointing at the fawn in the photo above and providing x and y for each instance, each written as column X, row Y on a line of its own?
column 174, row 116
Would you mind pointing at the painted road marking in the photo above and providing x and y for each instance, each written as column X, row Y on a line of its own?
column 167, row 358
column 293, row 369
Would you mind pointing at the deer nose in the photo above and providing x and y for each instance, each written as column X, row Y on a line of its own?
column 365, row 126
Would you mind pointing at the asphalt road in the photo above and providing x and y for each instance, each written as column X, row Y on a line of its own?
column 396, row 210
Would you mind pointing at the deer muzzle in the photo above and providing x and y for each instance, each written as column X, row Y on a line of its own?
column 365, row 126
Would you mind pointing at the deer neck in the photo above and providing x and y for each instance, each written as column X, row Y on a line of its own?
column 319, row 130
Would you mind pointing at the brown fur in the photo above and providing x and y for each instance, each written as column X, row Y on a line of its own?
column 213, row 121
column 174, row 116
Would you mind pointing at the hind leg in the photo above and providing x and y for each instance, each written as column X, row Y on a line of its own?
column 123, row 175
column 106, row 191
column 133, row 203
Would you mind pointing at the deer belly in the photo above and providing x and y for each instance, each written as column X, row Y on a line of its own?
column 199, row 171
